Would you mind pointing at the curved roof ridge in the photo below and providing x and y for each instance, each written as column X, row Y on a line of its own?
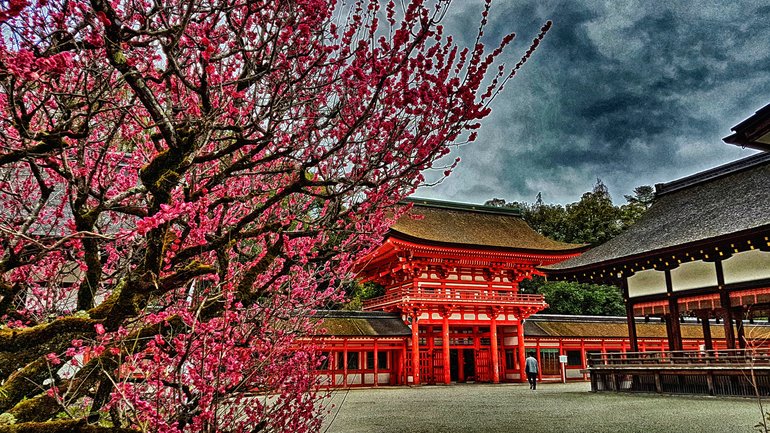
column 443, row 204
column 450, row 224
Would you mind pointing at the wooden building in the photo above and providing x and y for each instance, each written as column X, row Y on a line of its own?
column 452, row 271
column 365, row 348
column 361, row 348
column 702, row 250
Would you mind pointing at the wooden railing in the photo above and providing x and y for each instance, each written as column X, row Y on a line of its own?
column 738, row 372
column 457, row 296
column 748, row 357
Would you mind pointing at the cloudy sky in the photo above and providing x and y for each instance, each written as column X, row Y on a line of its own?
column 632, row 92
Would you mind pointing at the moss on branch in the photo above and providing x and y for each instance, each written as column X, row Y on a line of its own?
column 63, row 426
column 23, row 383
column 13, row 340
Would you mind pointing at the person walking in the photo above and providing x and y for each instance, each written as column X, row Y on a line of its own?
column 531, row 370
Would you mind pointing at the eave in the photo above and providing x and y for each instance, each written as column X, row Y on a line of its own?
column 754, row 132
column 482, row 250
column 665, row 258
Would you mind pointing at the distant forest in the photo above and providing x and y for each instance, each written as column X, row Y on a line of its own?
column 593, row 219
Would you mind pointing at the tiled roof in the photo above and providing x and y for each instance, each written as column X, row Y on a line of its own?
column 706, row 206
column 471, row 225
column 615, row 327
column 362, row 324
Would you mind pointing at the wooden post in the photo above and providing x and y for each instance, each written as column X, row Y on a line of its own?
column 708, row 344
column 415, row 350
column 445, row 346
column 476, row 348
column 583, row 355
column 724, row 299
column 493, row 341
column 376, row 367
column 739, row 327
column 522, row 351
column 345, row 362
column 539, row 362
column 710, row 382
column 402, row 366
column 431, row 379
column 674, row 330
column 630, row 322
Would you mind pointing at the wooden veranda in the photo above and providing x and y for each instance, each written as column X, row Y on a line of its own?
column 735, row 372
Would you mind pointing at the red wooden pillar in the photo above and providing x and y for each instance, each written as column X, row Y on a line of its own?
column 445, row 345
column 493, row 341
column 583, row 356
column 539, row 362
column 376, row 367
column 476, row 349
column 415, row 350
column 345, row 362
column 522, row 352
column 402, row 367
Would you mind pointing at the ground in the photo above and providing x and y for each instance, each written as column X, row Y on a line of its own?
column 560, row 408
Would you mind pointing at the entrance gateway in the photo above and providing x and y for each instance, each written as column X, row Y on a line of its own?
column 452, row 271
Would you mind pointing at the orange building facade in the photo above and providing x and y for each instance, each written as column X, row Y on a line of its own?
column 453, row 309
column 452, row 272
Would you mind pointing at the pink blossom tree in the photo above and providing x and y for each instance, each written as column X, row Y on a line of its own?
column 183, row 182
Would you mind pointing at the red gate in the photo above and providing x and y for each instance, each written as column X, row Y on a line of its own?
column 426, row 367
column 483, row 370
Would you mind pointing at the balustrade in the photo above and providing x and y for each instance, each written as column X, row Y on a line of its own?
column 454, row 295
column 753, row 357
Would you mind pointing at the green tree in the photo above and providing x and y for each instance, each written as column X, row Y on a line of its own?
column 547, row 219
column 594, row 219
column 499, row 202
column 576, row 298
column 636, row 204
column 357, row 293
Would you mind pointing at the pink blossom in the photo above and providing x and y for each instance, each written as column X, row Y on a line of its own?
column 53, row 359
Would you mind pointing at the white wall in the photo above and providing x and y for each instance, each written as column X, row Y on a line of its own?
column 694, row 275
column 746, row 266
column 649, row 282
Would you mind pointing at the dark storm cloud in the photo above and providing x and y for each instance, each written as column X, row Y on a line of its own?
column 633, row 92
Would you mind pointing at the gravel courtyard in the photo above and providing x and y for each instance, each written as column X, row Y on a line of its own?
column 559, row 408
